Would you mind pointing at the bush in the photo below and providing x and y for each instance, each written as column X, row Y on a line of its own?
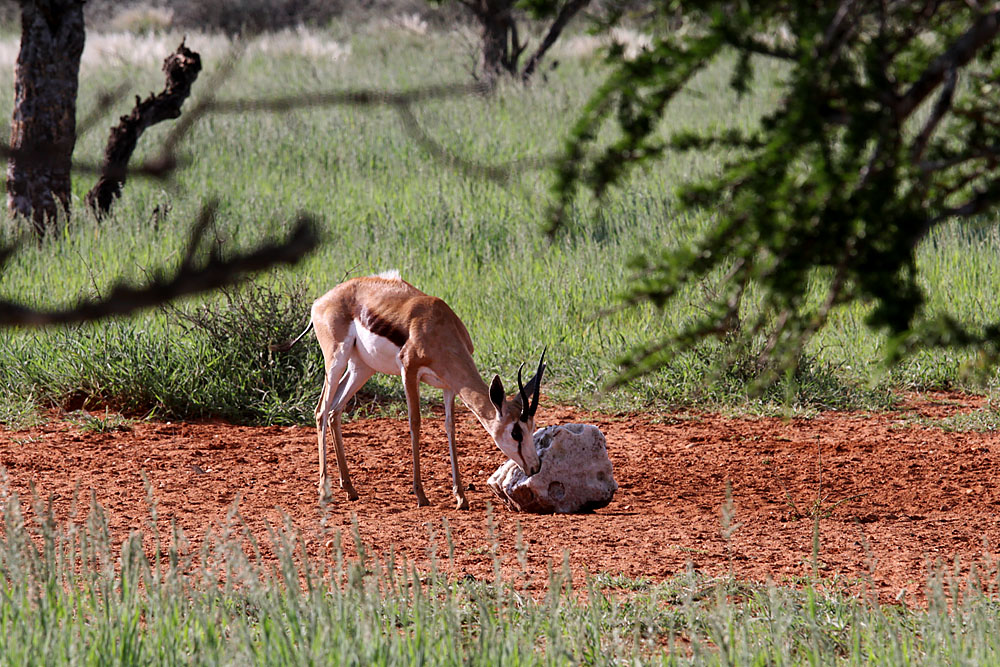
column 245, row 381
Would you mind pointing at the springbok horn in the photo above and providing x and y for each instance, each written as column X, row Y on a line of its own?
column 524, row 396
column 538, row 384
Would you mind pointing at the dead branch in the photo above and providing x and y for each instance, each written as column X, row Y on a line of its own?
column 978, row 203
column 568, row 11
column 162, row 166
column 193, row 276
column 182, row 68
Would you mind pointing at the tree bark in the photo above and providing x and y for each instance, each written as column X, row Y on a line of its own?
column 43, row 124
column 182, row 68
column 501, row 49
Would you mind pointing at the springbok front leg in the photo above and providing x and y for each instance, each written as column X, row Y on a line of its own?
column 449, row 426
column 411, row 385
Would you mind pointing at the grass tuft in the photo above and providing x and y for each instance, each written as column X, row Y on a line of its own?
column 111, row 422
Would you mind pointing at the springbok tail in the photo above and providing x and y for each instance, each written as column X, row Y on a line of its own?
column 281, row 347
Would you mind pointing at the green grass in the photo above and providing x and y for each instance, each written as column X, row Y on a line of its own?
column 70, row 595
column 109, row 422
column 384, row 203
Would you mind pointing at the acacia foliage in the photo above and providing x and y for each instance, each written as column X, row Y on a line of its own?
column 888, row 125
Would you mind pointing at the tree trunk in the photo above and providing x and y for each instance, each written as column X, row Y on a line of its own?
column 501, row 49
column 43, row 125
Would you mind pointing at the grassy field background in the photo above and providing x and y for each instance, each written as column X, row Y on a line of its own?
column 68, row 595
column 384, row 203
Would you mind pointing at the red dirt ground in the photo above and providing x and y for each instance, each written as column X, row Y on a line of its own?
column 898, row 496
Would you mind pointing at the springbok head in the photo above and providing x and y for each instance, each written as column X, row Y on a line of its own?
column 515, row 425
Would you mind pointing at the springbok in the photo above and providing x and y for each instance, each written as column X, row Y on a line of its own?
column 384, row 324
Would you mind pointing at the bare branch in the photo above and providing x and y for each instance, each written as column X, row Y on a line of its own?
column 837, row 27
column 983, row 31
column 105, row 100
column 516, row 47
column 190, row 278
column 205, row 218
column 500, row 173
column 182, row 68
column 162, row 166
column 157, row 168
column 960, row 184
column 990, row 153
column 568, row 11
column 357, row 97
column 759, row 48
column 940, row 109
column 978, row 203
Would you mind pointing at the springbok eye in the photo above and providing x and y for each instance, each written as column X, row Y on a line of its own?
column 516, row 432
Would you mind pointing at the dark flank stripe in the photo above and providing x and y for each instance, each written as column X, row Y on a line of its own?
column 383, row 328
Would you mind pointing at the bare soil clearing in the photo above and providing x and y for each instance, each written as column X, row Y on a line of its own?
column 897, row 496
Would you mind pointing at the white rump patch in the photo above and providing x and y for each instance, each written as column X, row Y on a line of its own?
column 391, row 274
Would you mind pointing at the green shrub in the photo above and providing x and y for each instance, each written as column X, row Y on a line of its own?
column 230, row 336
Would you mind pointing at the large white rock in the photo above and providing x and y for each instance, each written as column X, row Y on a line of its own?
column 576, row 473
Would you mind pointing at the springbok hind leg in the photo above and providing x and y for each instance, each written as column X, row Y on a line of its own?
column 336, row 365
column 324, row 489
column 353, row 379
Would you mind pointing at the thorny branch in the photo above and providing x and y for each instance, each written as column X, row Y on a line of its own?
column 983, row 31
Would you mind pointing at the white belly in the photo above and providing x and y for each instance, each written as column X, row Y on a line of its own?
column 380, row 354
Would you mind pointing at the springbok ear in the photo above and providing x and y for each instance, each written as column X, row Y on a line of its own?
column 496, row 394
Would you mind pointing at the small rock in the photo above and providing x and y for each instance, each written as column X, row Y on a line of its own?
column 576, row 473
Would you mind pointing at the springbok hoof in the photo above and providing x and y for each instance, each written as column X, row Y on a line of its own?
column 422, row 501
column 461, row 504
column 348, row 488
